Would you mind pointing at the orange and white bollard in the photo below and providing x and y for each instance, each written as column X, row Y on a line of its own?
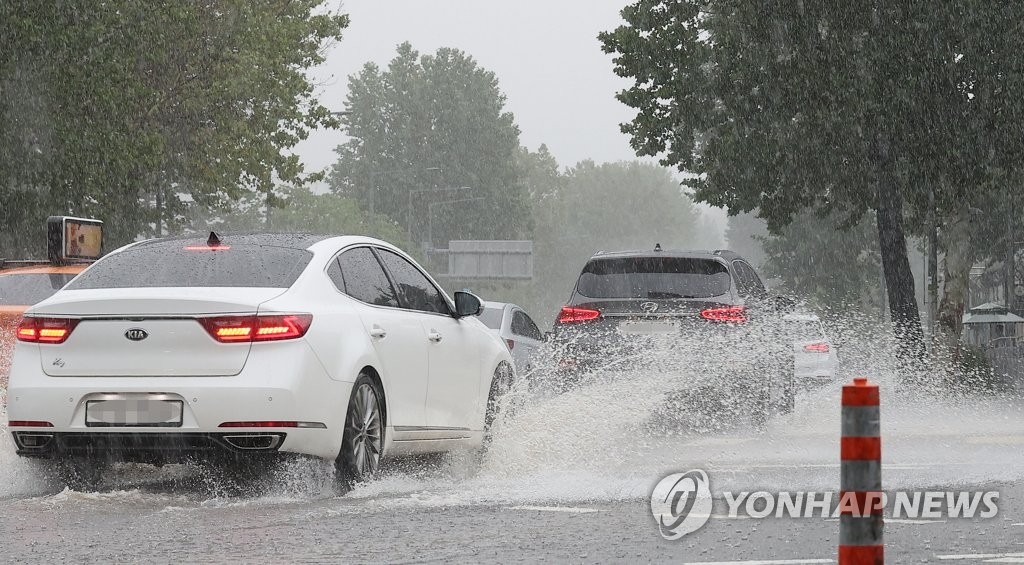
column 861, row 498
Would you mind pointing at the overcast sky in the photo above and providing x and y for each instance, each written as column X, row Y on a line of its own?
column 558, row 83
column 545, row 53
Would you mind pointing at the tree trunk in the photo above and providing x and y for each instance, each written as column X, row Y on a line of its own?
column 899, row 279
column 960, row 256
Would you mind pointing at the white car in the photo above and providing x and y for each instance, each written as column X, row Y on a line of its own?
column 814, row 356
column 341, row 348
column 519, row 332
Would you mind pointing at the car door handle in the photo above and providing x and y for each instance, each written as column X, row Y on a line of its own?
column 378, row 332
column 434, row 336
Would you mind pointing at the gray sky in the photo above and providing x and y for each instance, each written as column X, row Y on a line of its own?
column 549, row 64
column 558, row 83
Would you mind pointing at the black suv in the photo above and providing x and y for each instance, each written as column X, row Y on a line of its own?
column 705, row 311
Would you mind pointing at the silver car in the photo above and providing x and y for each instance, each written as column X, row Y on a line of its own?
column 517, row 330
column 814, row 356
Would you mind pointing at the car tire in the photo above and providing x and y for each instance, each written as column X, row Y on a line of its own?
column 501, row 384
column 363, row 441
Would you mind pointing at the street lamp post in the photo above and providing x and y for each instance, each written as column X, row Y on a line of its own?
column 374, row 175
column 430, row 214
column 408, row 215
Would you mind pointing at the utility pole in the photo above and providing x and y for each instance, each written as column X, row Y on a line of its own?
column 933, row 263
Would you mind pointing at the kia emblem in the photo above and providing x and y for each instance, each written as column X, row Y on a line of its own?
column 136, row 334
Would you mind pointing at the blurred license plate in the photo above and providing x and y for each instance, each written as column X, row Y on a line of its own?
column 133, row 412
column 648, row 328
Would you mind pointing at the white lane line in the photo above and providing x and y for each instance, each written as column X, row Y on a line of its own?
column 1018, row 524
column 1006, row 560
column 976, row 556
column 769, row 562
column 569, row 509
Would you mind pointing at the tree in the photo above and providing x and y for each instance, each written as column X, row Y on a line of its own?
column 420, row 131
column 132, row 111
column 841, row 108
column 301, row 210
column 835, row 267
column 744, row 234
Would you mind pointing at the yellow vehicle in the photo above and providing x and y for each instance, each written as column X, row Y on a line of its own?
column 73, row 244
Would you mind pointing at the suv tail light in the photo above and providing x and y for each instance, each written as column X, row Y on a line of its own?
column 45, row 330
column 570, row 315
column 731, row 314
column 271, row 327
column 820, row 347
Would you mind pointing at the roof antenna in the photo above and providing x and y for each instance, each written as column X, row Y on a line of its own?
column 657, row 246
column 214, row 241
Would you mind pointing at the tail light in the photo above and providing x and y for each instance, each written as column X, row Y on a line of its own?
column 29, row 424
column 274, row 327
column 731, row 314
column 511, row 344
column 45, row 330
column 571, row 315
column 820, row 347
column 273, row 424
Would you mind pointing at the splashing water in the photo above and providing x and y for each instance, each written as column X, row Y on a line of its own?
column 614, row 435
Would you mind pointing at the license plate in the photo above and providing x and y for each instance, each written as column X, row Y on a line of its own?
column 648, row 328
column 133, row 412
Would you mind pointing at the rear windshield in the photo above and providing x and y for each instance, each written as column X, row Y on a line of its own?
column 805, row 330
column 654, row 277
column 28, row 289
column 171, row 265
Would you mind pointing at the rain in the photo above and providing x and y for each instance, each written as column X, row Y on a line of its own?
column 396, row 281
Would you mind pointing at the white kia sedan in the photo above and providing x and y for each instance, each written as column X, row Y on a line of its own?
column 245, row 347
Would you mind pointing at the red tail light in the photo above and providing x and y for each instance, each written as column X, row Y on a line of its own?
column 45, row 330
column 820, row 347
column 275, row 327
column 29, row 424
column 273, row 424
column 570, row 315
column 731, row 314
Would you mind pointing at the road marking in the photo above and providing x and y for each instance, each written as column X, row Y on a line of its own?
column 769, row 562
column 568, row 509
column 1018, row 524
column 1006, row 560
column 976, row 556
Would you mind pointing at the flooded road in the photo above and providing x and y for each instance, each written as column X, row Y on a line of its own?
column 569, row 478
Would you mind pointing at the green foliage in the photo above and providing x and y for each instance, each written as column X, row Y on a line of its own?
column 105, row 105
column 744, row 234
column 839, row 108
column 832, row 267
column 433, row 122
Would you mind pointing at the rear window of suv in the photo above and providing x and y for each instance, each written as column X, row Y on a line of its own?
column 654, row 277
column 171, row 265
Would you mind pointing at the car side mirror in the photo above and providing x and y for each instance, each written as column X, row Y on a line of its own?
column 467, row 304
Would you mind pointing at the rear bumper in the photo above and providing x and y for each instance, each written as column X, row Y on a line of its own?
column 157, row 448
column 271, row 388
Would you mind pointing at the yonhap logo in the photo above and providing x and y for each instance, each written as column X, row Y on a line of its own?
column 681, row 503
column 136, row 334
